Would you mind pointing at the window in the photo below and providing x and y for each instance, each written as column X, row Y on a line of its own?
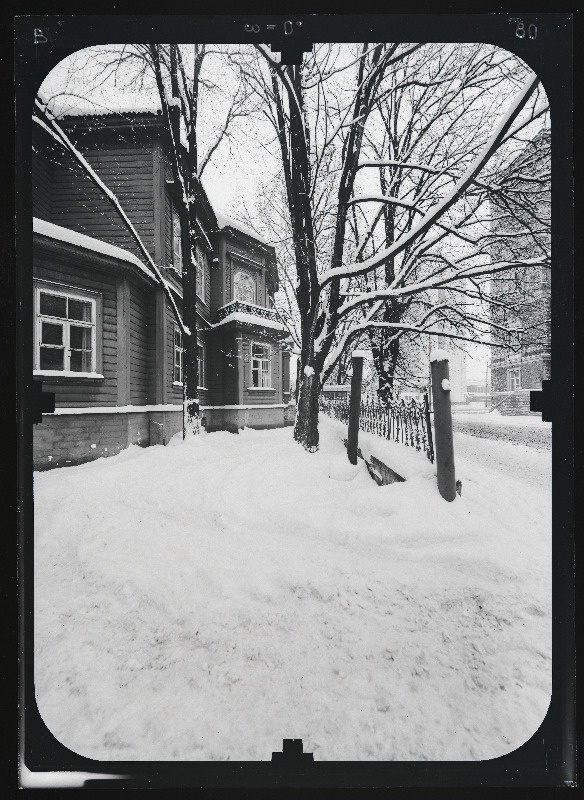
column 65, row 332
column 178, row 356
column 260, row 366
column 201, row 363
column 176, row 242
column 201, row 275
column 514, row 379
column 244, row 287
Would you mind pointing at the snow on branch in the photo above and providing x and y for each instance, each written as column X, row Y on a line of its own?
column 434, row 214
column 45, row 119
column 438, row 282
column 401, row 164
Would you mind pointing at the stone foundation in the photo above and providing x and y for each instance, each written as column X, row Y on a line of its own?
column 66, row 439
column 71, row 436
column 290, row 414
column 234, row 419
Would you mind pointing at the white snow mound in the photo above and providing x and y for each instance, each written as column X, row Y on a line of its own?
column 439, row 355
column 341, row 469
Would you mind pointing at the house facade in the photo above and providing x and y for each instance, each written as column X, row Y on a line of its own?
column 520, row 368
column 106, row 338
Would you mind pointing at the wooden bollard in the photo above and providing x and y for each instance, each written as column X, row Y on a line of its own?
column 443, row 444
column 357, row 358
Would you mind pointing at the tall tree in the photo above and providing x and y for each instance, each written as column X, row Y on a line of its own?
column 436, row 181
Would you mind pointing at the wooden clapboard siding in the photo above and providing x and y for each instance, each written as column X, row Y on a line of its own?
column 77, row 204
column 215, row 288
column 232, row 361
column 167, row 250
column 174, row 393
column 215, row 368
column 82, row 273
column 141, row 346
column 41, row 185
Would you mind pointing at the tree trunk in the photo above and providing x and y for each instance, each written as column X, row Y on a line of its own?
column 191, row 421
column 306, row 425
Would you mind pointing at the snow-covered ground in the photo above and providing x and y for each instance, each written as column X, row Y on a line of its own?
column 208, row 599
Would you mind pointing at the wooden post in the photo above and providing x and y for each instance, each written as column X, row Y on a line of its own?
column 443, row 445
column 355, row 405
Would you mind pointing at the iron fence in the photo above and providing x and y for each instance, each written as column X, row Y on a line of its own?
column 403, row 421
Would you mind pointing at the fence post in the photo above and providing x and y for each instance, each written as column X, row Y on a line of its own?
column 357, row 358
column 443, row 445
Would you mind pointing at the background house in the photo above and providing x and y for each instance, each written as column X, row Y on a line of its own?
column 105, row 336
column 518, row 371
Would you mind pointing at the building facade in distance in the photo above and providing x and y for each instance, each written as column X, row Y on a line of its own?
column 526, row 295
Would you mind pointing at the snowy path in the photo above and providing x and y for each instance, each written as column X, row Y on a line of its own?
column 525, row 464
column 208, row 599
column 527, row 431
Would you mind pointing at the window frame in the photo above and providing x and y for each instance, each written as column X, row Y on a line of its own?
column 74, row 293
column 176, row 330
column 176, row 240
column 201, row 285
column 202, row 382
column 259, row 370
column 251, row 278
column 514, row 371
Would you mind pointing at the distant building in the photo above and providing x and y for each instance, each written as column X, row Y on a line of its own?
column 336, row 391
column 515, row 373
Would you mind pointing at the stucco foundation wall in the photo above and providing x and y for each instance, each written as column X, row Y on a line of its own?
column 290, row 414
column 234, row 419
column 68, row 439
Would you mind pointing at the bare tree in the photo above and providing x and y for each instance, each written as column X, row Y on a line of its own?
column 437, row 136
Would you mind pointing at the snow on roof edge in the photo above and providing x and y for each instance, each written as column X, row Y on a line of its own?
column 252, row 319
column 69, row 236
column 223, row 221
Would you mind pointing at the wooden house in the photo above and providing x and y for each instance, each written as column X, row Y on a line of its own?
column 106, row 341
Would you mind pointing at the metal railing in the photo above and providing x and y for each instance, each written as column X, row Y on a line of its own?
column 403, row 421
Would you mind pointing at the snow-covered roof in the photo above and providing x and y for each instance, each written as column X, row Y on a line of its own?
column 227, row 222
column 253, row 320
column 62, row 234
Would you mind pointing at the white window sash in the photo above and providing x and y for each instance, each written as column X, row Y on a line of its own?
column 178, row 356
column 261, row 365
column 202, row 382
column 66, row 325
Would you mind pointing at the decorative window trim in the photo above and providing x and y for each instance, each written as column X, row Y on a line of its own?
column 95, row 326
column 252, row 282
column 263, row 375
